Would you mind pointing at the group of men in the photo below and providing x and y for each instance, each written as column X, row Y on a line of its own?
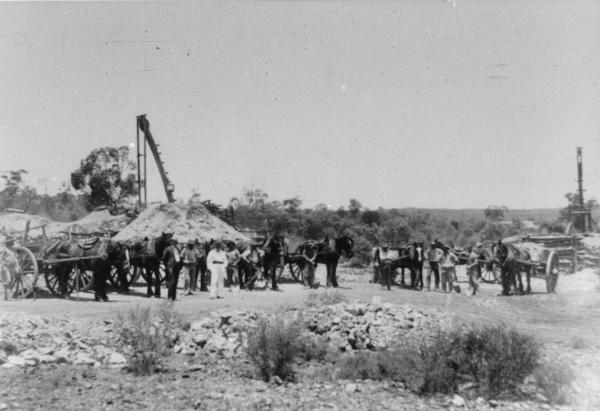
column 441, row 265
column 219, row 262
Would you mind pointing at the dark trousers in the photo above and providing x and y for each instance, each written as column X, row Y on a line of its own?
column 122, row 278
column 309, row 274
column 202, row 269
column 100, row 277
column 376, row 274
column 152, row 277
column 434, row 268
column 172, row 279
column 386, row 276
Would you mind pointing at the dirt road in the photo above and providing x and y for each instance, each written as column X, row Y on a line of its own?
column 573, row 311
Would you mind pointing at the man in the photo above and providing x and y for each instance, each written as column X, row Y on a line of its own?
column 434, row 255
column 9, row 265
column 309, row 253
column 376, row 268
column 190, row 255
column 201, row 265
column 385, row 263
column 172, row 261
column 447, row 264
column 473, row 267
column 233, row 258
column 216, row 260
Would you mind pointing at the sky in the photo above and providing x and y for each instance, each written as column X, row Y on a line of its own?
column 416, row 103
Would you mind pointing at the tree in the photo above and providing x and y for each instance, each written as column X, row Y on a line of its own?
column 370, row 217
column 13, row 181
column 292, row 205
column 106, row 177
column 354, row 207
column 495, row 213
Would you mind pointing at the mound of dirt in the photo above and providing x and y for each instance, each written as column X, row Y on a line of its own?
column 94, row 223
column 186, row 221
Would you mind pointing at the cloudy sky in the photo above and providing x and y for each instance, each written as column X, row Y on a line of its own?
column 395, row 103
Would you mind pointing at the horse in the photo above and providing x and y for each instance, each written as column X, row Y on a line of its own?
column 248, row 267
column 412, row 258
column 273, row 258
column 329, row 253
column 507, row 256
column 147, row 255
column 109, row 253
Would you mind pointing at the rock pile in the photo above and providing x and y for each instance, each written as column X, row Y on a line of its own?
column 28, row 341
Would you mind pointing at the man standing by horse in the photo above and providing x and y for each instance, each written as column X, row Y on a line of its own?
column 172, row 261
column 473, row 267
column 434, row 255
column 190, row 255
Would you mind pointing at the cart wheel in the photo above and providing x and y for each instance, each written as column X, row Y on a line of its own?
column 161, row 273
column 20, row 281
column 491, row 276
column 296, row 272
column 53, row 284
column 552, row 270
column 131, row 276
column 82, row 278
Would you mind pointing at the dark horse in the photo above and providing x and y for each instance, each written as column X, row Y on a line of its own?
column 507, row 257
column 146, row 256
column 273, row 258
column 329, row 253
column 109, row 253
column 411, row 258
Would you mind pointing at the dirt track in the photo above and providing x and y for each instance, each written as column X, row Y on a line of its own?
column 573, row 311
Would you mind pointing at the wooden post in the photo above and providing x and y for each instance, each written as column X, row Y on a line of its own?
column 27, row 227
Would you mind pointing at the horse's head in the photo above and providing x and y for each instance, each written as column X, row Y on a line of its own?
column 500, row 252
column 162, row 242
column 418, row 250
column 345, row 245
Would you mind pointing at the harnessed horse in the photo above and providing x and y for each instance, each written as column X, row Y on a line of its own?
column 507, row 256
column 109, row 253
column 146, row 255
column 329, row 253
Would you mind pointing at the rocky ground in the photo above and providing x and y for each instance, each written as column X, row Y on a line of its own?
column 62, row 354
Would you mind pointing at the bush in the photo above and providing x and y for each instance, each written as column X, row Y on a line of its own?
column 146, row 340
column 403, row 365
column 274, row 345
column 496, row 358
column 327, row 297
column 312, row 347
column 555, row 380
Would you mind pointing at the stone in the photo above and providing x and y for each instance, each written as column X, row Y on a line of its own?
column 3, row 357
column 62, row 356
column 116, row 358
column 350, row 387
column 277, row 380
column 177, row 348
column 200, row 339
column 458, row 401
column 14, row 361
column 3, row 406
column 493, row 403
column 216, row 343
column 85, row 359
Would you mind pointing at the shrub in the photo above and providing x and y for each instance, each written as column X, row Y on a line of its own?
column 273, row 346
column 495, row 357
column 312, row 347
column 403, row 365
column 327, row 297
column 145, row 342
column 555, row 380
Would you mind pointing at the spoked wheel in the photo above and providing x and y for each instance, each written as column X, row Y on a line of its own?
column 79, row 277
column 296, row 272
column 19, row 277
column 552, row 270
column 51, row 275
column 131, row 276
column 161, row 273
column 491, row 274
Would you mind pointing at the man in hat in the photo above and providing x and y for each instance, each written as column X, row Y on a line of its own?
column 172, row 260
column 385, row 264
column 447, row 265
column 434, row 254
column 473, row 267
column 190, row 256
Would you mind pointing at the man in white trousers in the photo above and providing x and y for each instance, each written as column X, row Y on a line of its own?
column 216, row 262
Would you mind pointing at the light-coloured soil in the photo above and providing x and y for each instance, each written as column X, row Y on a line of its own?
column 567, row 323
